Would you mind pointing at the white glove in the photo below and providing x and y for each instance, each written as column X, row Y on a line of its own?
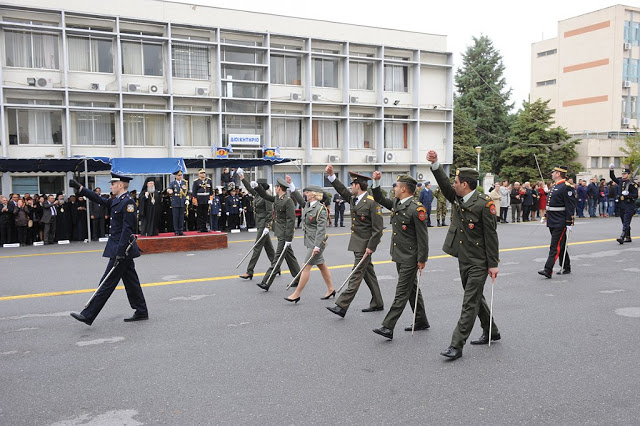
column 186, row 202
column 254, row 183
column 287, row 244
column 612, row 166
column 265, row 231
column 625, row 192
column 210, row 201
column 570, row 228
column 240, row 171
column 292, row 187
column 227, row 213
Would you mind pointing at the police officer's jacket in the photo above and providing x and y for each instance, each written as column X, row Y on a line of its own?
column 366, row 220
column 561, row 205
column 263, row 207
column 625, row 185
column 410, row 239
column 124, row 216
column 315, row 224
column 472, row 235
column 215, row 205
column 284, row 212
column 179, row 195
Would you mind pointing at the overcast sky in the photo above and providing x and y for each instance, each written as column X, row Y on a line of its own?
column 512, row 25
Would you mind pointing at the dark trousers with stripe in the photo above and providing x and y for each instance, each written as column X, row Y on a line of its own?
column 557, row 249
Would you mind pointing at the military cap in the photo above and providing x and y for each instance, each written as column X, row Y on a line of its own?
column 407, row 179
column 119, row 178
column 314, row 188
column 202, row 171
column 419, row 183
column 262, row 180
column 561, row 169
column 626, row 170
column 356, row 177
column 467, row 172
column 427, row 183
column 177, row 171
column 283, row 183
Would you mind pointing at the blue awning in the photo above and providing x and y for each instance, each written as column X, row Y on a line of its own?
column 44, row 165
column 216, row 163
column 147, row 166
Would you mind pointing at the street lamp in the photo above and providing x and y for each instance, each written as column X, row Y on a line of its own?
column 478, row 150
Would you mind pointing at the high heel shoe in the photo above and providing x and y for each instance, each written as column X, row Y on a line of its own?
column 296, row 300
column 247, row 276
column 279, row 273
column 333, row 293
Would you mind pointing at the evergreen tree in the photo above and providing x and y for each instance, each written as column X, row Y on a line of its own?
column 533, row 136
column 484, row 100
column 632, row 160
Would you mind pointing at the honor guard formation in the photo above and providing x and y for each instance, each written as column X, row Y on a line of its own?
column 472, row 235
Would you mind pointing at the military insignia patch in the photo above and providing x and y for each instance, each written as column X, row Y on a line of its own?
column 130, row 208
column 404, row 227
column 569, row 193
column 492, row 209
column 361, row 217
column 471, row 226
column 369, row 197
column 379, row 211
column 422, row 213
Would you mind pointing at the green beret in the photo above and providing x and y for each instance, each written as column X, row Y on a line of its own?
column 407, row 179
column 283, row 183
column 467, row 172
column 314, row 188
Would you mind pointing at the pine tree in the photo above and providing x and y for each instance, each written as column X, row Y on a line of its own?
column 632, row 160
column 532, row 136
column 484, row 100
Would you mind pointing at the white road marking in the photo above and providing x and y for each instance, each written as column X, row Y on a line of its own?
column 54, row 314
column 22, row 329
column 633, row 312
column 116, row 417
column 170, row 277
column 196, row 297
column 611, row 291
column 632, row 270
column 100, row 341
column 9, row 353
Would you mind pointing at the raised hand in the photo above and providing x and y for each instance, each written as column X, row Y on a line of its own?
column 432, row 156
column 329, row 170
column 376, row 175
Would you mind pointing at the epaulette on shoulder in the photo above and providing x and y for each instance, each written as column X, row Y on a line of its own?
column 369, row 197
column 486, row 197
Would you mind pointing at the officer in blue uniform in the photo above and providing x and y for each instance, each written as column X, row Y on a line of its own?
column 202, row 190
column 626, row 202
column 233, row 210
column 123, row 213
column 561, row 207
column 216, row 210
column 178, row 190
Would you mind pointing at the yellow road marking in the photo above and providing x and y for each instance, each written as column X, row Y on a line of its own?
column 50, row 254
column 228, row 277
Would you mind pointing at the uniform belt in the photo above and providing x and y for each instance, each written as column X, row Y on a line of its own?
column 556, row 209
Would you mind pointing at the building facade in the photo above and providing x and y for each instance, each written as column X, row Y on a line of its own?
column 146, row 78
column 591, row 73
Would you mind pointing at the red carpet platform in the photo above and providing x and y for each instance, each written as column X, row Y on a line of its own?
column 190, row 241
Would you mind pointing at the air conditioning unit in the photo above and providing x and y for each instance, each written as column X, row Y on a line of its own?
column 626, row 121
column 334, row 158
column 627, row 46
column 385, row 101
column 626, row 84
column 43, row 82
column 420, row 176
column 353, row 99
column 295, row 96
column 133, row 87
column 315, row 98
column 370, row 158
column 98, row 86
column 389, row 157
column 156, row 88
column 202, row 91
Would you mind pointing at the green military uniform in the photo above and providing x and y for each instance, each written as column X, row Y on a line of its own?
column 314, row 219
column 441, row 207
column 473, row 239
column 409, row 245
column 263, row 209
column 285, row 219
column 366, row 233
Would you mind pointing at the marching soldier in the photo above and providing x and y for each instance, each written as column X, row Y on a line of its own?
column 561, row 206
column 233, row 210
column 628, row 195
column 202, row 190
column 441, row 207
column 366, row 233
column 263, row 214
column 123, row 220
column 473, row 239
column 178, row 190
column 285, row 219
column 409, row 249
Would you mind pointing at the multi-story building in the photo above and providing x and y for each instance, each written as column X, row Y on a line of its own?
column 590, row 73
column 146, row 78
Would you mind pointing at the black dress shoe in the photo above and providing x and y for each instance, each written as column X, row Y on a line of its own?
column 545, row 273
column 484, row 339
column 137, row 317
column 81, row 318
column 384, row 331
column 263, row 286
column 337, row 310
column 564, row 271
column 379, row 308
column 247, row 276
column 418, row 327
column 452, row 353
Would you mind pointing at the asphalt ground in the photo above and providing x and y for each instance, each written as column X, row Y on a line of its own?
column 219, row 350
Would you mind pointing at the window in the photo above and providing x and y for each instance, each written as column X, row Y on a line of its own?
column 233, row 89
column 325, row 72
column 632, row 32
column 318, row 179
column 285, row 70
column 547, row 53
column 324, row 134
column 286, row 132
column 37, row 184
column 241, row 124
column 617, row 162
column 34, row 127
column 140, row 58
column 634, row 107
column 31, row 50
column 239, row 72
column 546, row 83
column 362, row 135
column 389, row 178
column 594, row 162
column 143, row 129
column 90, row 54
column 93, row 128
column 190, row 61
column 241, row 56
column 396, row 78
column 192, row 130
column 395, row 135
column 360, row 76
